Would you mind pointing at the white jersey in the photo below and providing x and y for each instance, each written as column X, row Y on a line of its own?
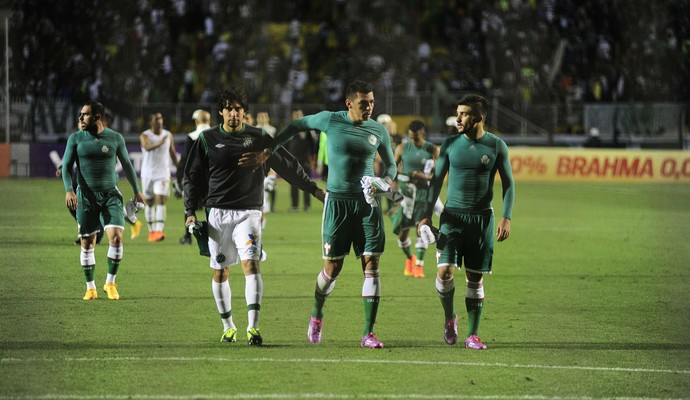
column 155, row 164
column 200, row 128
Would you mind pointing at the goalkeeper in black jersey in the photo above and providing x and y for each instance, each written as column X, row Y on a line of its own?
column 233, row 198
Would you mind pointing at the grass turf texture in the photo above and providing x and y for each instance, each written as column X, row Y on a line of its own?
column 589, row 299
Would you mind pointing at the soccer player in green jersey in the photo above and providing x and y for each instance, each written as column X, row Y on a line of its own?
column 471, row 160
column 96, row 149
column 415, row 159
column 348, row 220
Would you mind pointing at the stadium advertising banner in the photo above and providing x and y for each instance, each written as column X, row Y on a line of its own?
column 529, row 164
column 600, row 165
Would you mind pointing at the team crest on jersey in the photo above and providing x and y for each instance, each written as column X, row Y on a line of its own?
column 248, row 142
column 105, row 149
column 372, row 140
column 326, row 248
column 485, row 159
column 220, row 258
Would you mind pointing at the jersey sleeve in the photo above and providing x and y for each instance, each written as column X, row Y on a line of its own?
column 196, row 175
column 68, row 162
column 183, row 159
column 505, row 171
column 387, row 156
column 123, row 156
column 437, row 180
column 318, row 121
column 287, row 166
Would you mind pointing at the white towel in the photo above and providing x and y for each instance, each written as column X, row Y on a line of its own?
column 382, row 187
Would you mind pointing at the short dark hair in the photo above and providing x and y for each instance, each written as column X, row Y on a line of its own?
column 417, row 125
column 357, row 86
column 107, row 118
column 477, row 103
column 96, row 107
column 234, row 94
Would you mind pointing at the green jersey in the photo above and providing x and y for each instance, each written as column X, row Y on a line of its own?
column 351, row 148
column 471, row 166
column 414, row 158
column 96, row 157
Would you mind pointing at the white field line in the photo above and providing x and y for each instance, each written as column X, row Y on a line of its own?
column 10, row 360
column 313, row 396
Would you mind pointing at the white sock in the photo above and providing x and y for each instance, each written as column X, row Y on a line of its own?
column 253, row 292
column 445, row 286
column 160, row 218
column 372, row 284
column 110, row 278
column 150, row 214
column 324, row 283
column 222, row 294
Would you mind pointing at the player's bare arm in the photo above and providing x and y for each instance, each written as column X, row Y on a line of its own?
column 146, row 143
column 173, row 154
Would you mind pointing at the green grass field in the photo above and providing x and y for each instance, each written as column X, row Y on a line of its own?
column 590, row 299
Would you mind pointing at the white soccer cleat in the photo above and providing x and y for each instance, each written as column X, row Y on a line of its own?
column 131, row 210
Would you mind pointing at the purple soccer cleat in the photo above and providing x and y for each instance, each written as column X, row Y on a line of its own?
column 371, row 342
column 314, row 331
column 474, row 343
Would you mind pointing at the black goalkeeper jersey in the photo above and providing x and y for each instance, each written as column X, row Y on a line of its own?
column 213, row 178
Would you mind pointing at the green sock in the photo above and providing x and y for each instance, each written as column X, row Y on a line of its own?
column 420, row 254
column 407, row 251
column 474, row 312
column 88, row 271
column 319, row 300
column 447, row 303
column 371, row 307
column 113, row 266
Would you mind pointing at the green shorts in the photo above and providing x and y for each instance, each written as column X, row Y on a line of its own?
column 348, row 220
column 468, row 236
column 96, row 209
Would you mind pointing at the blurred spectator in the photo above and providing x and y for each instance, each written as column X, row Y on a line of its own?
column 529, row 51
column 593, row 139
column 263, row 121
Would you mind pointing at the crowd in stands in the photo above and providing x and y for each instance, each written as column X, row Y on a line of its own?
column 301, row 51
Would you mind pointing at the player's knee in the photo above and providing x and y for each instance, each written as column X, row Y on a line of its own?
column 445, row 272
column 420, row 244
column 475, row 290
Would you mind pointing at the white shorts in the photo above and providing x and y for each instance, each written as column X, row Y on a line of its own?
column 233, row 235
column 155, row 187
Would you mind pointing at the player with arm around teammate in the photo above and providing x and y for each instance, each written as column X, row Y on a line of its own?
column 349, row 220
column 233, row 198
column 471, row 160
column 96, row 149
